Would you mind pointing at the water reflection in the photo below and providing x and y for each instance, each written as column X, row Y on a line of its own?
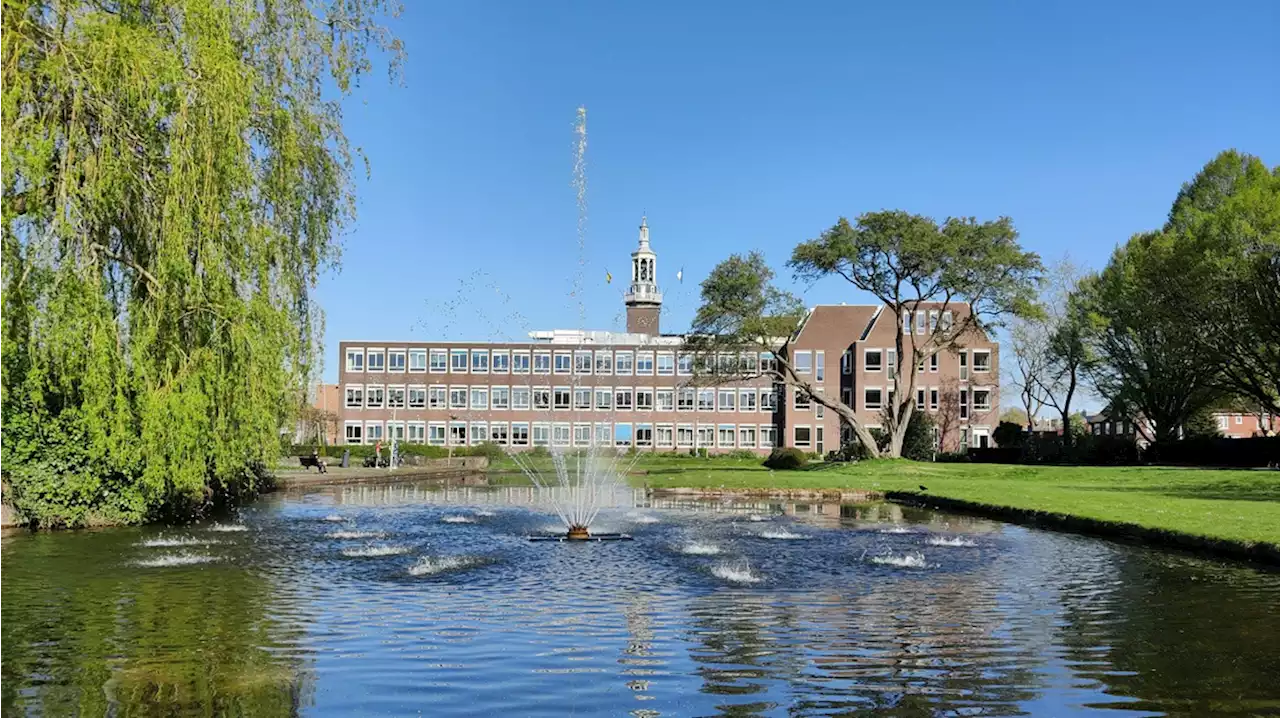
column 297, row 614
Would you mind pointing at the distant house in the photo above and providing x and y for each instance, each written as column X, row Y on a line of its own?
column 319, row 423
column 1109, row 423
column 1239, row 425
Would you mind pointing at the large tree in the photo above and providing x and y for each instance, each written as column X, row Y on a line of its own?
column 906, row 261
column 175, row 177
column 909, row 262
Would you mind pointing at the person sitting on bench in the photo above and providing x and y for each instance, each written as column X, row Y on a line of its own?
column 313, row 460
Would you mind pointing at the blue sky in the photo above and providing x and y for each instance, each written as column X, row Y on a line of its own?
column 753, row 125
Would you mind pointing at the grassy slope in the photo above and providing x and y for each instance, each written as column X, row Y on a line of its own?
column 1233, row 505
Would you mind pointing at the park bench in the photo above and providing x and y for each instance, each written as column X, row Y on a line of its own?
column 308, row 462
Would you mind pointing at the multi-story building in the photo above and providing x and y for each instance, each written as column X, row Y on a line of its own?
column 574, row 388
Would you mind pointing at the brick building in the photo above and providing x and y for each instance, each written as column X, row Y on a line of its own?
column 573, row 388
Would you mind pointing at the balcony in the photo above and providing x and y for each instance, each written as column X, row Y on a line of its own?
column 643, row 293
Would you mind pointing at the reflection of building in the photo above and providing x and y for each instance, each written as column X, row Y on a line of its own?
column 572, row 388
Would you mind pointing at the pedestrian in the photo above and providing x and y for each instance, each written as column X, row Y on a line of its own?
column 377, row 453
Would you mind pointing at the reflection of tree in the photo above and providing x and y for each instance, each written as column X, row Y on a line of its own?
column 92, row 637
column 1182, row 636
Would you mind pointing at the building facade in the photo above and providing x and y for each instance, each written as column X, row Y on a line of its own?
column 639, row 388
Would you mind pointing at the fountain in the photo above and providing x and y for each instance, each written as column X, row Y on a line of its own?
column 578, row 486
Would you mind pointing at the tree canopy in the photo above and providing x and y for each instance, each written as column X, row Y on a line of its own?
column 175, row 179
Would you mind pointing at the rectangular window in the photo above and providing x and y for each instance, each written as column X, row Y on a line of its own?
column 964, row 404
column 604, row 363
column 355, row 360
column 727, row 364
column 500, row 397
column 920, row 399
column 501, row 362
column 665, row 400
column 520, row 434
column 373, row 431
column 354, row 432
column 706, row 400
column 964, row 365
column 819, row 365
column 355, row 397
column 746, row 437
column 846, row 396
column 933, row 320
column 725, row 436
column 706, row 436
column 499, row 434
column 373, row 397
column 560, row 397
column 644, row 399
column 417, row 397
column 728, row 400
column 395, row 360
column 622, row 399
column 542, row 363
column 747, row 400
column 458, row 361
column 933, row 363
column 981, row 361
column 377, row 360
column 872, row 360
column 417, row 432
column 644, row 363
column 944, row 323
column 582, row 435
column 418, row 362
column 435, row 434
column 622, row 363
column 582, row 362
column 395, row 397
column 906, row 322
column 520, row 363
column 622, row 435
column 803, row 402
column 542, row 434
column 769, row 399
column 920, row 322
column 872, row 398
column 560, row 435
column 582, row 399
column 564, row 362
column 439, row 361
column 479, row 361
column 803, row 362
column 846, row 362
column 604, row 398
column 803, row 437
column 458, row 434
column 457, row 397
column 933, row 399
column 666, row 364
column 768, row 363
column 542, row 398
column 644, row 435
column 768, row 436
column 684, row 399
column 684, row 435
column 603, row 434
column 395, row 431
column 982, row 400
column 665, row 436
column 684, row 364
column 479, row 397
column 891, row 360
column 437, row 397
column 920, row 366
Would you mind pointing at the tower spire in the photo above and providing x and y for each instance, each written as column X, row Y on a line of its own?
column 643, row 299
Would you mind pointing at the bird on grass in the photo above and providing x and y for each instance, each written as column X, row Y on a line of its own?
column 923, row 487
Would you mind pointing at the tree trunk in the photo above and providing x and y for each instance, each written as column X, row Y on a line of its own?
column 898, row 432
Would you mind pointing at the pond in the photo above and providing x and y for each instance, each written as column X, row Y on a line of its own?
column 412, row 599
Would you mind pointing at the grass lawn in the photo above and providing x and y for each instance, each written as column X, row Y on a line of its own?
column 1233, row 505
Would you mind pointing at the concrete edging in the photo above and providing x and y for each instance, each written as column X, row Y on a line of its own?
column 854, row 495
column 1260, row 552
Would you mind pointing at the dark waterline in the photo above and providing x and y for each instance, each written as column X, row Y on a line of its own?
column 419, row 600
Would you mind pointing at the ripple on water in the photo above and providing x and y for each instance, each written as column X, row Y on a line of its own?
column 699, row 548
column 175, row 559
column 458, row 520
column 736, row 572
column 175, row 541
column 333, row 518
column 782, row 535
column 896, row 530
column 955, row 541
column 229, row 528
column 907, row 560
column 374, row 551
column 357, row 535
column 432, row 565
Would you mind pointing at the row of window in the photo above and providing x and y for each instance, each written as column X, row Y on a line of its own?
column 583, row 362
column 878, row 360
column 875, row 398
column 598, row 398
column 462, row 433
column 934, row 319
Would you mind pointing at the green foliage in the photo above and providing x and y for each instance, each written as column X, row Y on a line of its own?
column 740, row 455
column 174, row 181
column 1013, row 416
column 1009, row 434
column 917, row 443
column 1201, row 425
column 786, row 459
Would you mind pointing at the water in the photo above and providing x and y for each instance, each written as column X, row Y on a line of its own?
column 474, row 619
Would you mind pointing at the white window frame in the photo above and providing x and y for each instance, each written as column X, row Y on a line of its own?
column 521, row 433
column 729, row 430
column 987, row 353
column 641, row 441
column 358, row 354
column 578, row 362
column 368, row 396
column 422, row 365
column 454, row 364
column 797, row 404
column 458, row 434
column 604, row 363
column 541, row 398
column 557, row 393
column 664, row 400
column 731, row 405
column 392, row 390
column 404, row 360
column 567, row 358
column 540, row 434
column 665, row 363
column 630, row 362
column 561, row 434
column 481, row 392
column 437, row 396
column 623, row 442
column 481, row 356
column 686, row 392
column 499, row 433
column 346, row 432
column 933, row 398
column 499, row 398
column 708, row 406
column 746, row 436
column 607, row 393
column 443, row 355
column 933, row 363
column 581, row 434
column 543, row 358
column 459, row 390
column 684, row 364
column 664, row 436
column 974, row 396
column 421, row 390
column 644, row 363
column 805, row 367
column 578, row 393
column 505, row 356
column 417, row 432
column 347, row 396
column 768, row 436
column 819, row 365
column 684, row 440
column 769, row 400
column 866, row 365
column 434, row 428
column 644, row 391
column 795, row 436
column 369, row 433
column 602, row 434
column 868, row 406
column 369, row 354
column 624, row 391
column 518, row 358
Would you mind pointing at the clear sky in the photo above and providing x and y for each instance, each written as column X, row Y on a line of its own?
column 755, row 125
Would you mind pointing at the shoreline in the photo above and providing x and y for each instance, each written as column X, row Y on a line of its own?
column 1264, row 553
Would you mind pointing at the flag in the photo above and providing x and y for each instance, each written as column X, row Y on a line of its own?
column 680, row 275
column 608, row 277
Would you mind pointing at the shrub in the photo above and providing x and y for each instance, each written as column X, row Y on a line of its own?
column 786, row 459
column 740, row 455
column 1009, row 435
column 539, row 452
column 917, row 442
column 488, row 449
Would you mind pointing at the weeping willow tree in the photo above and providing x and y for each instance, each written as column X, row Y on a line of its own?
column 175, row 179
